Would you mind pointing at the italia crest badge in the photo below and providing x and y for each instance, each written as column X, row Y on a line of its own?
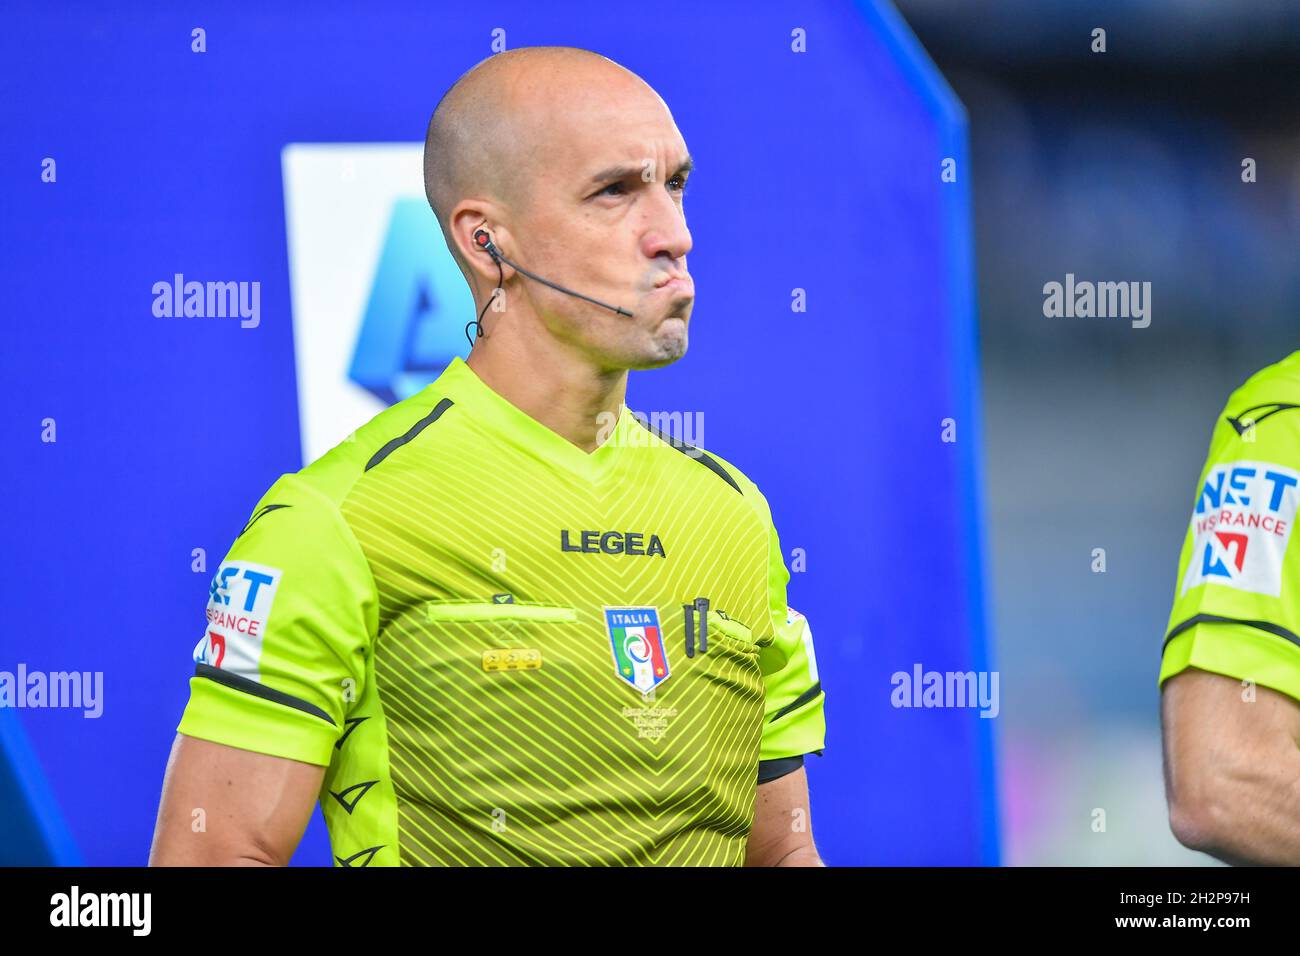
column 638, row 646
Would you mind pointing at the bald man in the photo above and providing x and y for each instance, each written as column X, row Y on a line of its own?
column 510, row 623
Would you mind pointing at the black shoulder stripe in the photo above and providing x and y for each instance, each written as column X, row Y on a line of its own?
column 1244, row 415
column 692, row 452
column 1268, row 626
column 769, row 770
column 808, row 695
column 258, row 514
column 411, row 432
column 236, row 682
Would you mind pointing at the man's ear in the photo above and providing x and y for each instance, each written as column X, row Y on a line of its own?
column 468, row 218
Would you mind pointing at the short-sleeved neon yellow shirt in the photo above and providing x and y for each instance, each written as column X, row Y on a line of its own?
column 483, row 633
column 1237, row 599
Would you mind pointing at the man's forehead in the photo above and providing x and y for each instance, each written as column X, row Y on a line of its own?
column 600, row 128
column 597, row 149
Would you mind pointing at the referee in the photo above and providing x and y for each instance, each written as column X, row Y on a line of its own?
column 1230, row 669
column 510, row 623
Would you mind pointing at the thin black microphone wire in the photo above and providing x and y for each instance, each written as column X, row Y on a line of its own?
column 479, row 320
column 560, row 288
column 498, row 258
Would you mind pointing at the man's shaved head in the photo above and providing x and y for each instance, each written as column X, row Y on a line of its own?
column 487, row 129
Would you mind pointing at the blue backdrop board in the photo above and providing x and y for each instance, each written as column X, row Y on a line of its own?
column 286, row 154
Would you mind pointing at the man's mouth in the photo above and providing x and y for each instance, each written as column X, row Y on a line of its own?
column 676, row 285
column 675, row 281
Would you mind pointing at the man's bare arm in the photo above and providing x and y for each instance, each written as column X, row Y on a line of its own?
column 1232, row 768
column 782, row 833
column 254, row 807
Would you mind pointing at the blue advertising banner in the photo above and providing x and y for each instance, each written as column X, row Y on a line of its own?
column 272, row 155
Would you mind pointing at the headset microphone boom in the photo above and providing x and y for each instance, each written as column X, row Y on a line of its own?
column 484, row 242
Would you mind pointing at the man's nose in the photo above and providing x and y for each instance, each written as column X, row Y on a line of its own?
column 666, row 231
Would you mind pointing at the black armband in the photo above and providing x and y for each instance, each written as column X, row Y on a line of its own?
column 772, row 769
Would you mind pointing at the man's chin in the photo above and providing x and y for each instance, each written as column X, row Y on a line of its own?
column 672, row 338
column 667, row 344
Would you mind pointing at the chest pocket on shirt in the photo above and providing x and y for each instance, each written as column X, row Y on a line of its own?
column 731, row 633
column 488, row 612
column 507, row 634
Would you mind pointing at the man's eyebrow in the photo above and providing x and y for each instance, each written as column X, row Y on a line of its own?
column 623, row 170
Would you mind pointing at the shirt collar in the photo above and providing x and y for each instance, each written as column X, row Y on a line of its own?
column 497, row 415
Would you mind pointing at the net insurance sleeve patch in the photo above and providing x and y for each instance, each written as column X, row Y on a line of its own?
column 1241, row 526
column 239, row 605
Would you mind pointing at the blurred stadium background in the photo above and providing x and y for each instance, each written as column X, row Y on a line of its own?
column 1117, row 166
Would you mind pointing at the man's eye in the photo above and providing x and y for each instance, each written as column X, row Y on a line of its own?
column 606, row 190
column 681, row 183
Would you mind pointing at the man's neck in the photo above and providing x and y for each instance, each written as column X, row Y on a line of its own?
column 563, row 393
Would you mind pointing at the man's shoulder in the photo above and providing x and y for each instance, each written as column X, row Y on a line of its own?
column 725, row 470
column 1276, row 384
column 1264, row 412
column 335, row 473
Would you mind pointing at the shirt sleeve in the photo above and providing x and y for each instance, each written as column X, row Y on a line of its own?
column 1236, row 607
column 794, row 717
column 289, row 620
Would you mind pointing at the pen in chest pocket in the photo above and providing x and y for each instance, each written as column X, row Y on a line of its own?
column 698, row 611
